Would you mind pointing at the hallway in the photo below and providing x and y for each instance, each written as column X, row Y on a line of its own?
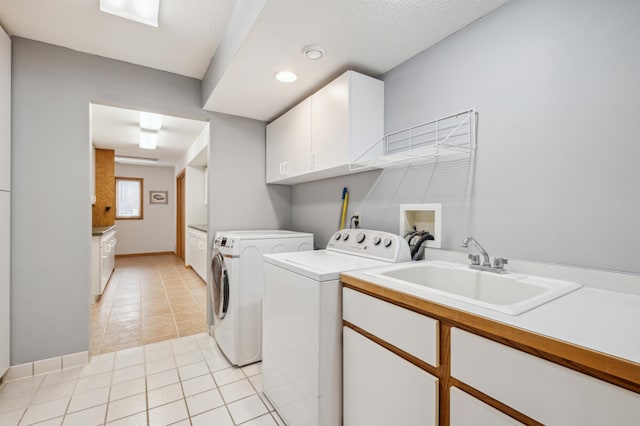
column 148, row 299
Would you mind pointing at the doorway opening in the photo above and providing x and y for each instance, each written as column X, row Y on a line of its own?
column 151, row 293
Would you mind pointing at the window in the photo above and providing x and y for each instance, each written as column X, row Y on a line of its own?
column 129, row 198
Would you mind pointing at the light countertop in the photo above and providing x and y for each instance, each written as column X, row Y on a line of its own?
column 96, row 232
column 600, row 320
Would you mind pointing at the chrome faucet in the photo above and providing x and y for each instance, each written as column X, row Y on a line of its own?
column 498, row 262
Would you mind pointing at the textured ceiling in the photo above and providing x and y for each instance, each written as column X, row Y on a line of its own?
column 188, row 33
column 371, row 36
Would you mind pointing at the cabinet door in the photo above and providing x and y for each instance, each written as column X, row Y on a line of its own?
column 5, row 111
column 202, row 255
column 380, row 388
column 469, row 411
column 288, row 150
column 4, row 281
column 546, row 392
column 330, row 124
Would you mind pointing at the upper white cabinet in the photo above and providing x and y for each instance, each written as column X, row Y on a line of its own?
column 289, row 144
column 5, row 111
column 319, row 137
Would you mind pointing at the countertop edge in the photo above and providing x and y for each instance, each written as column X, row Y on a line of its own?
column 101, row 230
column 618, row 371
column 202, row 228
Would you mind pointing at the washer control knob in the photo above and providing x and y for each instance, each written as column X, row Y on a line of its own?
column 360, row 237
column 376, row 240
column 345, row 236
column 337, row 236
column 387, row 242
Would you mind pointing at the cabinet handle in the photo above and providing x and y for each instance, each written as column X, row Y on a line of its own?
column 285, row 164
column 281, row 169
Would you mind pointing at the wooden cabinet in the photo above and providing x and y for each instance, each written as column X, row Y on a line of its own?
column 104, row 208
column 544, row 391
column 319, row 137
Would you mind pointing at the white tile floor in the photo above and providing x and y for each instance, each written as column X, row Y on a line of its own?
column 185, row 381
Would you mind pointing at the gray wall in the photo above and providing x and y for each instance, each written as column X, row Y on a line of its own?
column 51, row 209
column 237, row 195
column 556, row 175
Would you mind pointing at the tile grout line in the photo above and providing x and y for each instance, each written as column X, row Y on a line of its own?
column 166, row 295
column 106, row 326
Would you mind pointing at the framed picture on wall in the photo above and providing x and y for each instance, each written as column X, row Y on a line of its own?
column 159, row 197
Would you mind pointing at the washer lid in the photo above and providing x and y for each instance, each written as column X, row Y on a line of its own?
column 321, row 265
column 260, row 234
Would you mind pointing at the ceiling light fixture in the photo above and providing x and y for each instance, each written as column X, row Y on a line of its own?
column 150, row 121
column 148, row 139
column 142, row 11
column 124, row 159
column 286, row 76
column 314, row 52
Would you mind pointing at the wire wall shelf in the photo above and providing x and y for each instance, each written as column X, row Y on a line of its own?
column 446, row 139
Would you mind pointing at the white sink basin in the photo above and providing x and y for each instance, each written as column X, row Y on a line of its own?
column 509, row 293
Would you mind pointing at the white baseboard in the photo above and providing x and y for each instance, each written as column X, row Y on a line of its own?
column 43, row 366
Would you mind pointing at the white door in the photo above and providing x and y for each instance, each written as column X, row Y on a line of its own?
column 5, row 211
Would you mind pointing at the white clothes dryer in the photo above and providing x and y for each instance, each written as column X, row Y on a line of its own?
column 302, row 322
column 236, row 286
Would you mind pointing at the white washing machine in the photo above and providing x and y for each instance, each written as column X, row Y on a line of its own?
column 302, row 322
column 236, row 286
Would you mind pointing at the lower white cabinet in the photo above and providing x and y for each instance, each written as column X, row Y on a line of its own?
column 103, row 260
column 393, row 324
column 5, row 211
column 197, row 253
column 466, row 410
column 546, row 392
column 381, row 388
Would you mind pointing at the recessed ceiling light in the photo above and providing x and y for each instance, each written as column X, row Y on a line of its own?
column 148, row 139
column 286, row 77
column 150, row 121
column 142, row 11
column 314, row 52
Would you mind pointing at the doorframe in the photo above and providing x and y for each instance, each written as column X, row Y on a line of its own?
column 180, row 216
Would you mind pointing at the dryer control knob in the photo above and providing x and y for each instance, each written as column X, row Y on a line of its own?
column 337, row 236
column 387, row 242
column 376, row 240
column 345, row 236
column 360, row 237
